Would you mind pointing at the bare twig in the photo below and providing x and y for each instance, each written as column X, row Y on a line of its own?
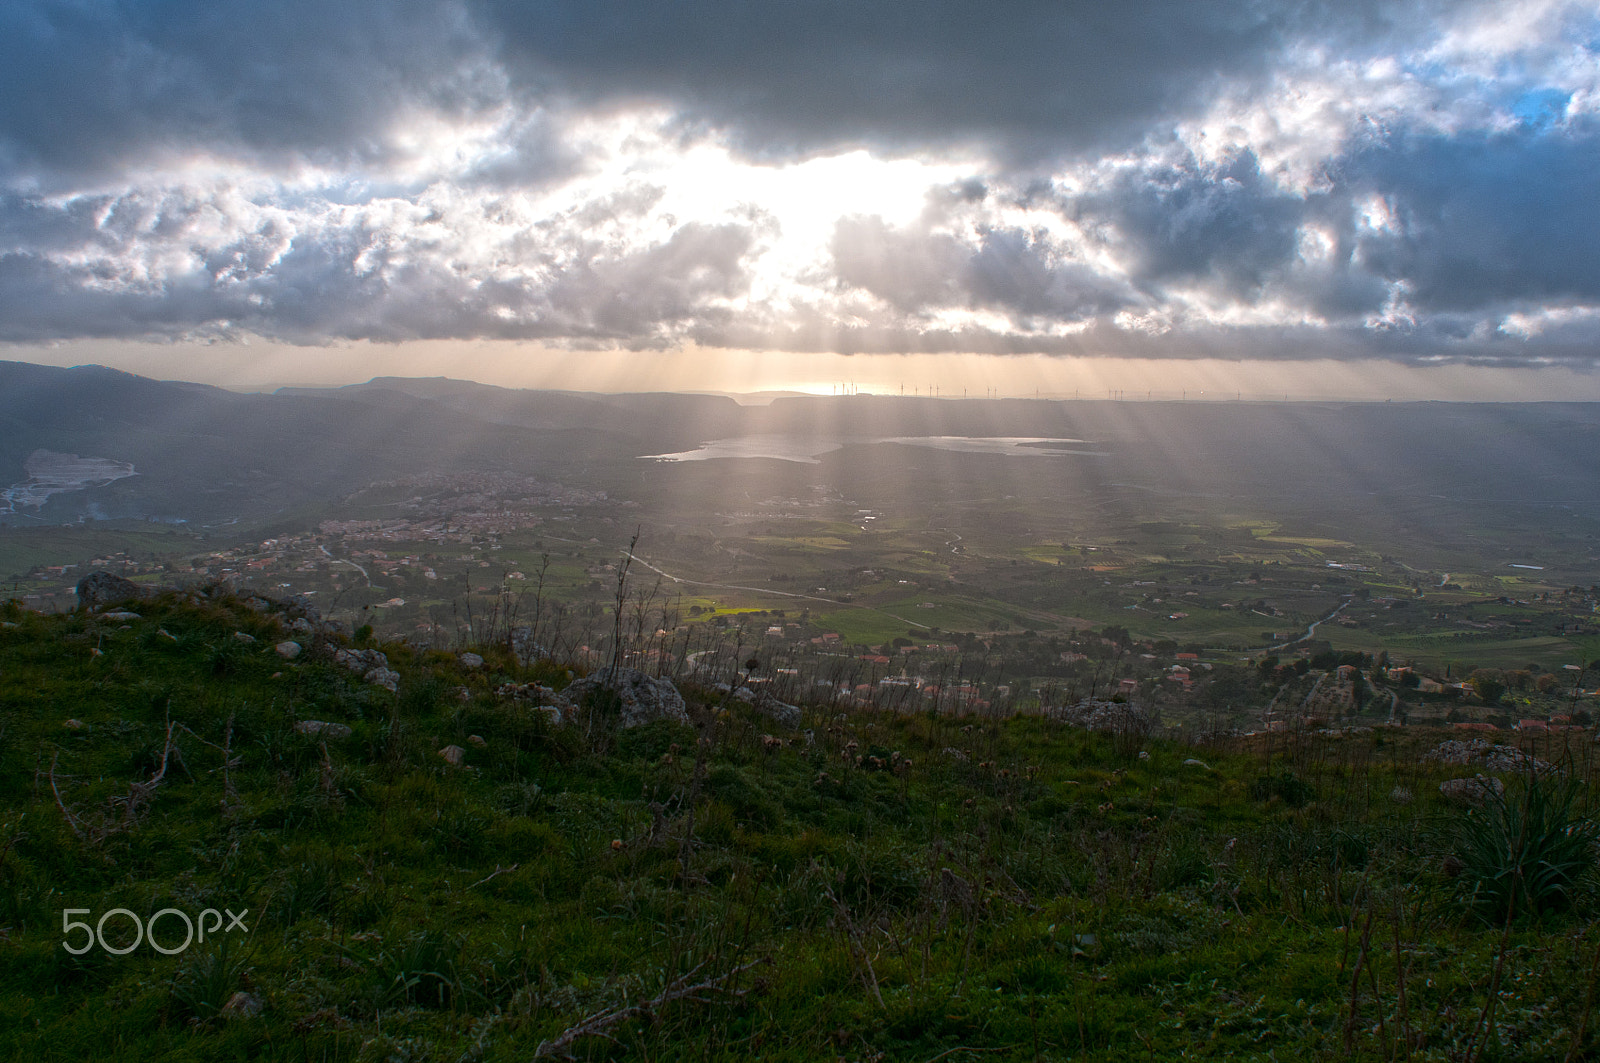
column 679, row 988
column 72, row 821
column 964, row 1048
column 857, row 946
column 498, row 870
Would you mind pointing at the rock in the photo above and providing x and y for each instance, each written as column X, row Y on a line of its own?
column 244, row 637
column 1400, row 795
column 101, row 588
column 257, row 604
column 955, row 754
column 1099, row 715
column 1143, row 755
column 288, row 650
column 10, row 625
column 299, row 606
column 322, row 727
column 780, row 712
column 470, row 660
column 1473, row 791
column 120, row 614
column 453, row 755
column 477, row 741
column 301, row 626
column 644, row 699
column 242, row 1005
column 1485, row 756
column 524, row 646
column 360, row 661
column 385, row 678
column 73, row 724
column 1193, row 763
column 555, row 706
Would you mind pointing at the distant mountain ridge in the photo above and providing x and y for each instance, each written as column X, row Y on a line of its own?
column 204, row 453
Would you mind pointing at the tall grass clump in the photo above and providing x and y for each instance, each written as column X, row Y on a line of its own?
column 1526, row 851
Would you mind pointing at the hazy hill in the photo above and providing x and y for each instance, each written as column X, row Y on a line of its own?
column 203, row 453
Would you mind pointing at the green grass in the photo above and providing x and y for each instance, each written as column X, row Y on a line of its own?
column 1019, row 889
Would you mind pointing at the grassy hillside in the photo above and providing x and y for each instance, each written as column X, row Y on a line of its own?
column 864, row 888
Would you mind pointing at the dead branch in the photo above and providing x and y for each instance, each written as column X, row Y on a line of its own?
column 857, row 946
column 498, row 870
column 679, row 988
column 72, row 821
column 139, row 793
column 131, row 804
column 230, row 760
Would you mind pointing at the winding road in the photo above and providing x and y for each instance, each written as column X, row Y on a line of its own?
column 342, row 561
column 1311, row 629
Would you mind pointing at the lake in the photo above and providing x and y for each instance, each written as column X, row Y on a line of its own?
column 807, row 449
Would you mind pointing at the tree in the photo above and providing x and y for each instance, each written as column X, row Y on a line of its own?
column 1487, row 686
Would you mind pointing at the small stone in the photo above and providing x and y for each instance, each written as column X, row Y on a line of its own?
column 242, row 1005
column 120, row 614
column 1143, row 755
column 288, row 650
column 385, row 678
column 1400, row 795
column 9, row 625
column 616, row 845
column 245, row 638
column 301, row 626
column 73, row 724
column 322, row 727
column 1193, row 763
column 453, row 754
column 470, row 660
column 477, row 740
column 1473, row 791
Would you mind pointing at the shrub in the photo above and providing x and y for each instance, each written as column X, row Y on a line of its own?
column 1527, row 851
column 205, row 985
column 1292, row 791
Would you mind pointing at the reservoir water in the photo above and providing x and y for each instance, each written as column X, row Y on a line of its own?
column 807, row 449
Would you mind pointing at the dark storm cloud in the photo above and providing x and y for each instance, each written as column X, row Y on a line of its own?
column 1482, row 220
column 1485, row 244
column 1032, row 77
column 92, row 85
column 1225, row 225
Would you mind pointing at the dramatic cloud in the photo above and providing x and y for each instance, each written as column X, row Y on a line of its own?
column 1158, row 177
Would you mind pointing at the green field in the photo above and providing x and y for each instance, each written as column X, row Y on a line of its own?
column 970, row 887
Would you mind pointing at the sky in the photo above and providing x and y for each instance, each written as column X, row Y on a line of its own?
column 1346, row 199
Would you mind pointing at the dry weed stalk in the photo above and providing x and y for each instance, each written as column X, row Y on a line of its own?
column 122, row 812
column 679, row 988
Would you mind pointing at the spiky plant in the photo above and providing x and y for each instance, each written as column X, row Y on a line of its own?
column 1526, row 851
